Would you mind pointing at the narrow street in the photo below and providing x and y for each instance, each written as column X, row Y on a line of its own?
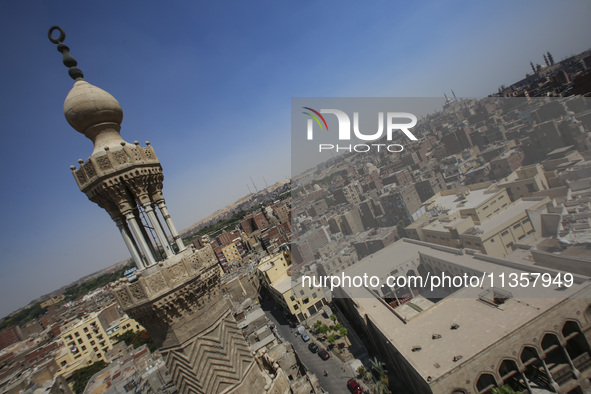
column 338, row 372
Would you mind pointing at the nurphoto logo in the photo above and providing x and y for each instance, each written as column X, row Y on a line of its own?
column 344, row 130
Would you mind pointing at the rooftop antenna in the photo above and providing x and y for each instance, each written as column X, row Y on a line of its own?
column 266, row 186
column 452, row 92
column 249, row 191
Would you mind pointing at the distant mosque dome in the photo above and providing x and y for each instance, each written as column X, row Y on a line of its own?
column 87, row 105
column 317, row 188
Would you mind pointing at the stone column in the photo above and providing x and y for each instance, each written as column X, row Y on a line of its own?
column 585, row 385
column 553, row 383
column 128, row 239
column 409, row 289
column 137, row 232
column 570, row 362
column 159, row 233
column 526, row 382
column 170, row 224
column 162, row 227
column 143, row 229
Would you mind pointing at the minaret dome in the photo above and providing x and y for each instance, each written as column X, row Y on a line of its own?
column 87, row 105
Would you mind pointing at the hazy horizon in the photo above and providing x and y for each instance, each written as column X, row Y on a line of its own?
column 210, row 87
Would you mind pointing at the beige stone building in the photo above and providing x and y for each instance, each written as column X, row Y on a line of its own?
column 231, row 253
column 302, row 302
column 481, row 219
column 281, row 210
column 499, row 235
column 471, row 339
column 525, row 181
column 52, row 301
column 86, row 340
column 449, row 211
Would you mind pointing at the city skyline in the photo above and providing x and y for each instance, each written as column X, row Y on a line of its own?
column 187, row 80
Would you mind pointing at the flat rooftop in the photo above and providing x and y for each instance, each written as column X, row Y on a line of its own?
column 479, row 324
column 452, row 203
column 441, row 225
column 283, row 285
column 265, row 266
column 110, row 378
column 507, row 215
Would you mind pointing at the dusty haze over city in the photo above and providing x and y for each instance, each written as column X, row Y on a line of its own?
column 210, row 87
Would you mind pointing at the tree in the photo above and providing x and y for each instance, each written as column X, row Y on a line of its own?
column 79, row 290
column 323, row 329
column 23, row 316
column 367, row 376
column 382, row 387
column 331, row 339
column 81, row 376
column 377, row 366
column 343, row 331
column 504, row 389
column 400, row 227
column 333, row 317
column 317, row 325
column 136, row 339
column 379, row 369
column 361, row 371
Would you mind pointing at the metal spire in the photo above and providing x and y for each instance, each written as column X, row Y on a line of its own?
column 74, row 72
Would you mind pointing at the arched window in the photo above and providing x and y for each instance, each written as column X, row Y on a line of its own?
column 556, row 359
column 534, row 372
column 529, row 355
column 511, row 376
column 486, row 382
column 577, row 346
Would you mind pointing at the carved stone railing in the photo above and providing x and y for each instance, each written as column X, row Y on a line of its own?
column 163, row 278
column 116, row 160
column 582, row 362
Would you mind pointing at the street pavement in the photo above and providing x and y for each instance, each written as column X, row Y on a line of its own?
column 338, row 372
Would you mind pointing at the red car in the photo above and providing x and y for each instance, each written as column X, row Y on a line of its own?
column 354, row 387
column 324, row 354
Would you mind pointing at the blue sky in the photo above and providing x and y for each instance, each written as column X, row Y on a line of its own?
column 209, row 84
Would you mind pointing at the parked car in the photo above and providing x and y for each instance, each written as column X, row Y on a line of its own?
column 313, row 347
column 324, row 354
column 305, row 337
column 354, row 387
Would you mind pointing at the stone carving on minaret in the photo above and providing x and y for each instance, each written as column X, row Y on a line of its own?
column 176, row 295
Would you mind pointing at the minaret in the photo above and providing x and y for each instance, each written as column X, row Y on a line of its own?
column 177, row 295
